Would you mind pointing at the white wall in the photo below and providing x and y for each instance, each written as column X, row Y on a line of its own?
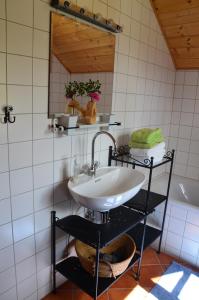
column 33, row 161
column 184, row 133
column 59, row 76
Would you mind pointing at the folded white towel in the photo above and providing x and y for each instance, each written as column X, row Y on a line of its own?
column 157, row 152
column 158, row 149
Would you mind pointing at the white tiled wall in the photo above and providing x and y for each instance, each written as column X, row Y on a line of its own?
column 184, row 131
column 181, row 231
column 59, row 76
column 34, row 162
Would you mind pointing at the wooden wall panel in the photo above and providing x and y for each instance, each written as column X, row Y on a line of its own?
column 179, row 21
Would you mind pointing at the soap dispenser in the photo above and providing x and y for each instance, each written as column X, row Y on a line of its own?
column 76, row 168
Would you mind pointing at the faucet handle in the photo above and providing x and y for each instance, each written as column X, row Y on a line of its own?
column 85, row 169
column 96, row 164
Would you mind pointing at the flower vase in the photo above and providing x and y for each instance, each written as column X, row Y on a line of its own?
column 91, row 112
column 73, row 107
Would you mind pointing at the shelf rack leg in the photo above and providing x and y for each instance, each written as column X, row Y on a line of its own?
column 166, row 202
column 145, row 219
column 149, row 185
column 53, row 249
column 141, row 250
column 110, row 155
column 97, row 266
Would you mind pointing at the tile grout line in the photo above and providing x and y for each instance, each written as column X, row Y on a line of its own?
column 34, row 235
column 9, row 173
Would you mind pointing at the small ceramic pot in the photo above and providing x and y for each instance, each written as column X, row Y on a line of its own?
column 67, row 120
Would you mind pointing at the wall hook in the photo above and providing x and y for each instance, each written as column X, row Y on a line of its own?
column 7, row 117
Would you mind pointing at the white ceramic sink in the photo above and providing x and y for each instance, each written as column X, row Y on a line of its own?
column 111, row 187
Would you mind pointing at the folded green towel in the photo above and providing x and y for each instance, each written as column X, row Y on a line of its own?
column 147, row 135
column 142, row 145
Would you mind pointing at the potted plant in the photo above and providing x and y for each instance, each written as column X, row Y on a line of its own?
column 72, row 91
column 92, row 89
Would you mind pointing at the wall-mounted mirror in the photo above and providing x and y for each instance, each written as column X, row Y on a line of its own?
column 80, row 52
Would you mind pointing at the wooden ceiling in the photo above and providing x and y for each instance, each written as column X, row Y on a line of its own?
column 179, row 21
column 81, row 48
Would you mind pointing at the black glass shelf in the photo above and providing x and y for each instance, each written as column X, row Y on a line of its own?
column 151, row 235
column 73, row 271
column 87, row 126
column 139, row 201
column 122, row 219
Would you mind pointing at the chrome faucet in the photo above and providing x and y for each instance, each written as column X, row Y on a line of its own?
column 94, row 164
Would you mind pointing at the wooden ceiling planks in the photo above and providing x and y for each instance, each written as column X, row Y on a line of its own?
column 186, row 52
column 81, row 48
column 179, row 21
column 179, row 17
column 168, row 6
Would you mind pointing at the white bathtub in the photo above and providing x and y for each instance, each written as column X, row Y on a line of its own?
column 181, row 231
column 182, row 189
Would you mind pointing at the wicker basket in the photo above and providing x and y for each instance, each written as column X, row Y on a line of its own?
column 125, row 244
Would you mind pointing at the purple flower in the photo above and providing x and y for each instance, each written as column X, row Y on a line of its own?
column 95, row 96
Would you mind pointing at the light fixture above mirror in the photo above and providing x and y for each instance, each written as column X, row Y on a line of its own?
column 80, row 12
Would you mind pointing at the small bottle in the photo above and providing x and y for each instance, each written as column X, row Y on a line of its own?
column 76, row 169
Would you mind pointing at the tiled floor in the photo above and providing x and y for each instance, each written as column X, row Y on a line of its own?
column 126, row 288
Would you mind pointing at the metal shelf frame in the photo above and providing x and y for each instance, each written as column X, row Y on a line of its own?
column 130, row 218
column 122, row 220
column 124, row 157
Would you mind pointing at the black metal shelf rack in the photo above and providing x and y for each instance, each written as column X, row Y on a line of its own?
column 122, row 219
column 130, row 218
column 139, row 201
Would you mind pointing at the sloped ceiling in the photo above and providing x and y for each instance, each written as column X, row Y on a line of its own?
column 179, row 21
column 81, row 48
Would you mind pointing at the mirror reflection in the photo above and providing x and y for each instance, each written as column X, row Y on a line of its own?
column 83, row 54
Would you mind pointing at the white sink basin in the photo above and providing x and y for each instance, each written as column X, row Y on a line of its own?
column 111, row 187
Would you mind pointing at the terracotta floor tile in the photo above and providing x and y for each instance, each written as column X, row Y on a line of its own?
column 80, row 295
column 68, row 285
column 60, row 295
column 150, row 257
column 137, row 293
column 186, row 264
column 126, row 288
column 165, row 259
column 165, row 267
column 126, row 281
column 150, row 275
column 194, row 268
